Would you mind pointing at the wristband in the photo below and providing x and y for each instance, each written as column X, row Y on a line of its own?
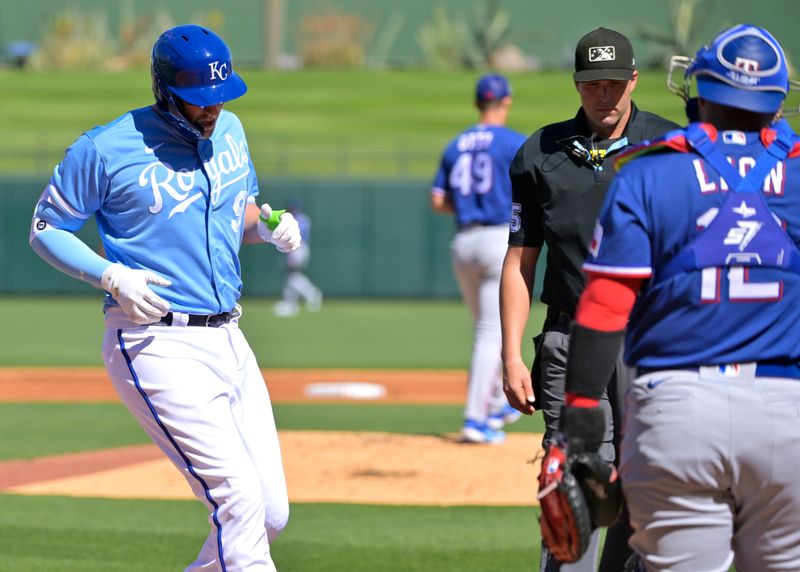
column 575, row 400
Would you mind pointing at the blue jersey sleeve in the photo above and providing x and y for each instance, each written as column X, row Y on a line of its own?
column 76, row 189
column 620, row 245
column 73, row 194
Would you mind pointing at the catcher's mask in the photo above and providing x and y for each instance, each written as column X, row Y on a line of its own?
column 194, row 64
column 744, row 67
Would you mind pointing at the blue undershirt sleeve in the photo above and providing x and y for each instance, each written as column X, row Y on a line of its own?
column 69, row 254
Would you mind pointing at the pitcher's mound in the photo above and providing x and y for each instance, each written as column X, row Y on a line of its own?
column 332, row 466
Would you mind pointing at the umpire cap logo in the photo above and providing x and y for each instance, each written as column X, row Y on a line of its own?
column 602, row 54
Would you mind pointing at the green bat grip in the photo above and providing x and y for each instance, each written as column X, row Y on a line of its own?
column 274, row 219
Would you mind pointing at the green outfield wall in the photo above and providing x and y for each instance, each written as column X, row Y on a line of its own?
column 369, row 239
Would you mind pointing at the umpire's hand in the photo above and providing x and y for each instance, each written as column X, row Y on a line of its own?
column 517, row 385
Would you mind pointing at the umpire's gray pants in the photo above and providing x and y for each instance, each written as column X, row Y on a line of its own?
column 552, row 347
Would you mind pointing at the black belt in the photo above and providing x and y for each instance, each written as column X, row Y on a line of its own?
column 206, row 321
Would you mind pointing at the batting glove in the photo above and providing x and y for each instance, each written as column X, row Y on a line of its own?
column 280, row 228
column 130, row 289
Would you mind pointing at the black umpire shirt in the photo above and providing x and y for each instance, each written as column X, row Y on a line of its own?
column 558, row 189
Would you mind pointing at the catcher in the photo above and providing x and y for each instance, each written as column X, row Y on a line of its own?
column 698, row 243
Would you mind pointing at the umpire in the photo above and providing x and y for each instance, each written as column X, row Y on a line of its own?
column 559, row 179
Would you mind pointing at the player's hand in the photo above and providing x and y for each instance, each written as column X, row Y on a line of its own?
column 517, row 385
column 130, row 288
column 285, row 236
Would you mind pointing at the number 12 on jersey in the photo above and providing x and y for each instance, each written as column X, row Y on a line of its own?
column 472, row 173
column 739, row 288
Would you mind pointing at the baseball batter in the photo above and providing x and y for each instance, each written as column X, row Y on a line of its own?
column 698, row 242
column 472, row 182
column 173, row 191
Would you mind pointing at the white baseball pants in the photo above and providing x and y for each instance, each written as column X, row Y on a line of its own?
column 200, row 396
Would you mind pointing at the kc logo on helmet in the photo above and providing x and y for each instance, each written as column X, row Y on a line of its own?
column 220, row 71
column 602, row 54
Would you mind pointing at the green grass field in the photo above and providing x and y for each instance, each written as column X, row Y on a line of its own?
column 344, row 334
column 57, row 534
column 303, row 123
column 61, row 534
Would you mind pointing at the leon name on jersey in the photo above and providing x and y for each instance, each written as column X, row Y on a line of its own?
column 773, row 183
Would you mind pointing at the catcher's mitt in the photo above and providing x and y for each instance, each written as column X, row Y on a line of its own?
column 565, row 522
column 576, row 494
column 600, row 486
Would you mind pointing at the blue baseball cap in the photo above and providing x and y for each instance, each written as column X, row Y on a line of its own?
column 744, row 67
column 492, row 87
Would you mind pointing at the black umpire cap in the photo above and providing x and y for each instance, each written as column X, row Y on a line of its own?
column 604, row 54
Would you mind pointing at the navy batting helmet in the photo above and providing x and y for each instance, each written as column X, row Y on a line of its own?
column 744, row 67
column 194, row 64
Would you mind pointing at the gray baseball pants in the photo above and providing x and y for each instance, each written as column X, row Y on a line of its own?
column 478, row 253
column 710, row 465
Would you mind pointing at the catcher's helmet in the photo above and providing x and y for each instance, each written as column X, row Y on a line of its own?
column 194, row 64
column 744, row 67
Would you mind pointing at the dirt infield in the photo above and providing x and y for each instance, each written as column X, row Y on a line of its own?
column 285, row 385
column 320, row 466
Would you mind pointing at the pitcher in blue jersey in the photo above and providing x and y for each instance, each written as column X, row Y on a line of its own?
column 173, row 191
column 697, row 243
column 473, row 184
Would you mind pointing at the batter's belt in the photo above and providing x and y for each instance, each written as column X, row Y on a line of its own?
column 205, row 321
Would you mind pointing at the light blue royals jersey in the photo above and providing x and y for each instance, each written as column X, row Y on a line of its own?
column 473, row 173
column 740, row 305
column 161, row 203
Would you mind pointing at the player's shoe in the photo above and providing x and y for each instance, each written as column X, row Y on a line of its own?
column 284, row 309
column 476, row 432
column 503, row 417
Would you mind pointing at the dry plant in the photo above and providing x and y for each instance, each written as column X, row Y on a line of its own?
column 74, row 40
column 333, row 39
